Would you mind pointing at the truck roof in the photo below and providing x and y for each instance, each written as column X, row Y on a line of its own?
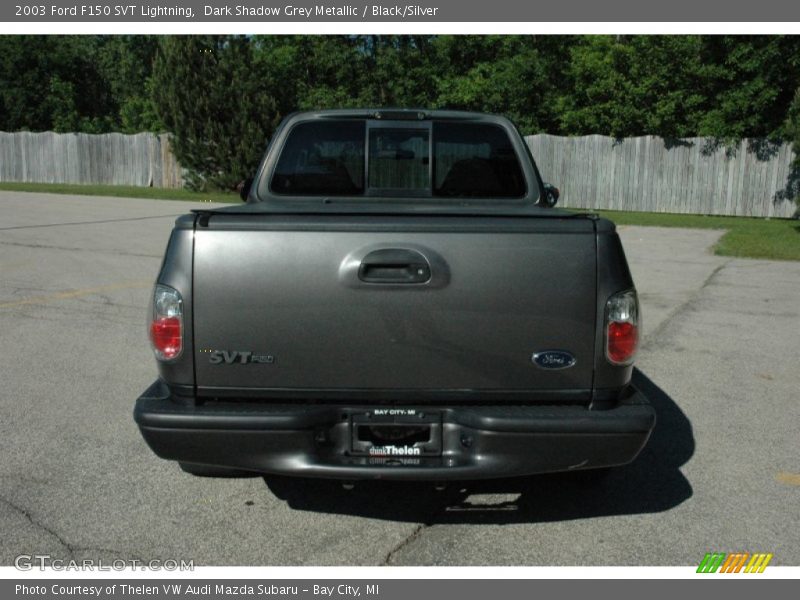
column 398, row 114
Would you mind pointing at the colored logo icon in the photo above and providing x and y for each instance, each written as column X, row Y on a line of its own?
column 736, row 562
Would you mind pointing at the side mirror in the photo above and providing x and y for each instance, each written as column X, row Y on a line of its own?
column 243, row 188
column 550, row 195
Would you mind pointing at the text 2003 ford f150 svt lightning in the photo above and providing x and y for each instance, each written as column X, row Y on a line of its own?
column 395, row 300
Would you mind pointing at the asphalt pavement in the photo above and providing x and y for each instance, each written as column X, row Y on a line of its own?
column 720, row 473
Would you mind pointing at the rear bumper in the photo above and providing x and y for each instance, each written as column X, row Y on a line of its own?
column 313, row 440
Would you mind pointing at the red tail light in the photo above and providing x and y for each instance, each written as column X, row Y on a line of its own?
column 165, row 333
column 622, row 327
column 166, row 325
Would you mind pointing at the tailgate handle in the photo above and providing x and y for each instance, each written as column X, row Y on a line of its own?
column 394, row 265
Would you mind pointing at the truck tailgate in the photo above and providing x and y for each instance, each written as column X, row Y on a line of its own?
column 283, row 306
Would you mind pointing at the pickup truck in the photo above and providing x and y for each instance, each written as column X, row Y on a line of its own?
column 396, row 299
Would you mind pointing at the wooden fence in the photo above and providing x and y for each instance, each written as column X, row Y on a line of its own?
column 650, row 174
column 643, row 173
column 143, row 159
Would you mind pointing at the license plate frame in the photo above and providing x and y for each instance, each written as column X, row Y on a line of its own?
column 396, row 433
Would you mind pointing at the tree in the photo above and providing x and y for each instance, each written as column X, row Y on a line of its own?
column 222, row 96
column 220, row 110
column 92, row 84
column 791, row 129
column 126, row 64
column 312, row 72
column 50, row 82
column 752, row 87
column 316, row 72
column 638, row 85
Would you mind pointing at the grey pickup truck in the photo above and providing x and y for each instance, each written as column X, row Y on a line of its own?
column 396, row 299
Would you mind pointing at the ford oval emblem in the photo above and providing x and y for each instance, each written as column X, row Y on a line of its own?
column 553, row 359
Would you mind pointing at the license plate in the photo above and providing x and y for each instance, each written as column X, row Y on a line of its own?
column 396, row 433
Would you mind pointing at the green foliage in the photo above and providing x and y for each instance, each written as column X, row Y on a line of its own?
column 76, row 83
column 222, row 96
column 315, row 72
column 221, row 113
column 639, row 85
column 791, row 131
column 513, row 75
column 752, row 86
column 126, row 64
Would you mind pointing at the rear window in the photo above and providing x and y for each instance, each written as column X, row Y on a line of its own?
column 439, row 159
column 322, row 158
column 399, row 159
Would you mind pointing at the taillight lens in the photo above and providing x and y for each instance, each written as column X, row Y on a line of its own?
column 166, row 324
column 622, row 327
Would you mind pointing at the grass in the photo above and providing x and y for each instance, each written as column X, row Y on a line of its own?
column 121, row 191
column 776, row 239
